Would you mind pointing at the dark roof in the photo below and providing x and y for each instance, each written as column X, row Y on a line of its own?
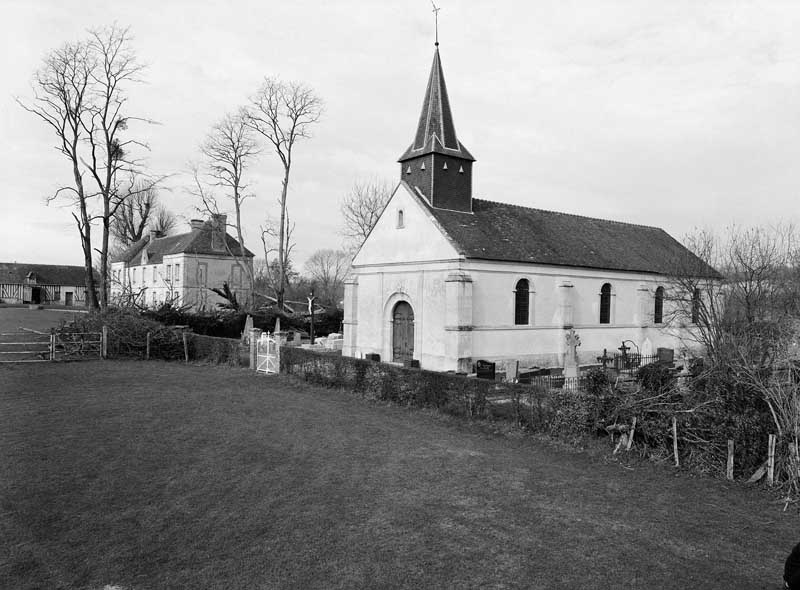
column 45, row 274
column 500, row 231
column 436, row 132
column 197, row 241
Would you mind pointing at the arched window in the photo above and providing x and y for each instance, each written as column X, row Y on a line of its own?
column 521, row 302
column 658, row 312
column 605, row 304
column 400, row 219
column 696, row 306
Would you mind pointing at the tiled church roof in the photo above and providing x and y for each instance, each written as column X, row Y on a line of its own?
column 436, row 132
column 197, row 241
column 504, row 232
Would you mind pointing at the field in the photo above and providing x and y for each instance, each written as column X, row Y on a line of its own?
column 12, row 318
column 156, row 475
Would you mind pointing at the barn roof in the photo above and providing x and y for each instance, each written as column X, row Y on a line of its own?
column 511, row 233
column 197, row 241
column 45, row 274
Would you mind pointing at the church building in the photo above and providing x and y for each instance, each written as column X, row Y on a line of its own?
column 447, row 279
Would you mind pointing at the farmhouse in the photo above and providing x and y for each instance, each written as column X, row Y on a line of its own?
column 183, row 268
column 42, row 284
column 447, row 279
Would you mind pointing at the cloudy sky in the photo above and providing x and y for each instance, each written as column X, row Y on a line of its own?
column 679, row 114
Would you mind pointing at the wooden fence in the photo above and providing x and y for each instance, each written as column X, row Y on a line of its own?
column 30, row 346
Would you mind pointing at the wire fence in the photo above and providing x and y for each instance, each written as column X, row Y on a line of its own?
column 171, row 343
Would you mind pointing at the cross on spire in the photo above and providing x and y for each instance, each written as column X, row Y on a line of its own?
column 435, row 11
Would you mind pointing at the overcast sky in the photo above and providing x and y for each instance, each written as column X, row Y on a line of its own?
column 676, row 114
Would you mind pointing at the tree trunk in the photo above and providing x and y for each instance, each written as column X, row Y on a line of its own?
column 282, row 242
column 85, row 229
column 104, row 256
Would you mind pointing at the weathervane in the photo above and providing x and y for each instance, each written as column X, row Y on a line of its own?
column 436, row 10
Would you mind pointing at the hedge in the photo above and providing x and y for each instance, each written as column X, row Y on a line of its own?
column 568, row 414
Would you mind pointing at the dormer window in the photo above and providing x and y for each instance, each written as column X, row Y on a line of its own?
column 461, row 170
column 400, row 219
column 422, row 167
column 408, row 170
column 445, row 166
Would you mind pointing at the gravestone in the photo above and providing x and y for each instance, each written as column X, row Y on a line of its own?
column 571, row 354
column 665, row 355
column 485, row 370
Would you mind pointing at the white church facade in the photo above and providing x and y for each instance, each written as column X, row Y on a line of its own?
column 446, row 279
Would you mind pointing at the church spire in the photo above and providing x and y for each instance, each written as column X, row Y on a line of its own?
column 436, row 132
column 436, row 163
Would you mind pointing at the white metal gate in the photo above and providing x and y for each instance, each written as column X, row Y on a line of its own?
column 267, row 354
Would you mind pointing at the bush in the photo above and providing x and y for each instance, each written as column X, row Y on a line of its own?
column 655, row 377
column 450, row 393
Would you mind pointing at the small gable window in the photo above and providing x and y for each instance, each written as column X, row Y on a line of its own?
column 658, row 311
column 696, row 306
column 605, row 304
column 521, row 302
column 401, row 222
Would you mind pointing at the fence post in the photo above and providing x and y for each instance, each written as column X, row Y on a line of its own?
column 104, row 342
column 771, row 460
column 729, row 470
column 630, row 436
column 147, row 349
column 255, row 334
column 185, row 346
column 675, row 441
column 52, row 344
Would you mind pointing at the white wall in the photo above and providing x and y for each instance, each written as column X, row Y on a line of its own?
column 412, row 263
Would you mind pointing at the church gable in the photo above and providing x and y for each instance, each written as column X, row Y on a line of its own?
column 405, row 232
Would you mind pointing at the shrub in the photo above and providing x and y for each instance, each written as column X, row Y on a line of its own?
column 450, row 393
column 655, row 377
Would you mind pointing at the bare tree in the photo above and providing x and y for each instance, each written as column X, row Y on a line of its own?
column 109, row 152
column 138, row 210
column 229, row 149
column 757, row 262
column 61, row 98
column 277, row 258
column 696, row 293
column 283, row 113
column 361, row 208
column 79, row 92
column 328, row 268
column 755, row 284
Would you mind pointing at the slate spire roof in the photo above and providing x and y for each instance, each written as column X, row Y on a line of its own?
column 436, row 132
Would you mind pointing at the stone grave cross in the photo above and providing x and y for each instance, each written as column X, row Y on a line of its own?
column 571, row 356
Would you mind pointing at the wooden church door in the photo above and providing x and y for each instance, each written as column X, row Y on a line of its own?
column 402, row 332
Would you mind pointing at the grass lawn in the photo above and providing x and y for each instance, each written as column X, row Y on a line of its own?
column 12, row 318
column 156, row 475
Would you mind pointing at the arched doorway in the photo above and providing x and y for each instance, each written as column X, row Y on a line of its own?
column 402, row 332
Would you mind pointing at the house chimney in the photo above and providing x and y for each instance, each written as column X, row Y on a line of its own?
column 219, row 227
column 196, row 223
